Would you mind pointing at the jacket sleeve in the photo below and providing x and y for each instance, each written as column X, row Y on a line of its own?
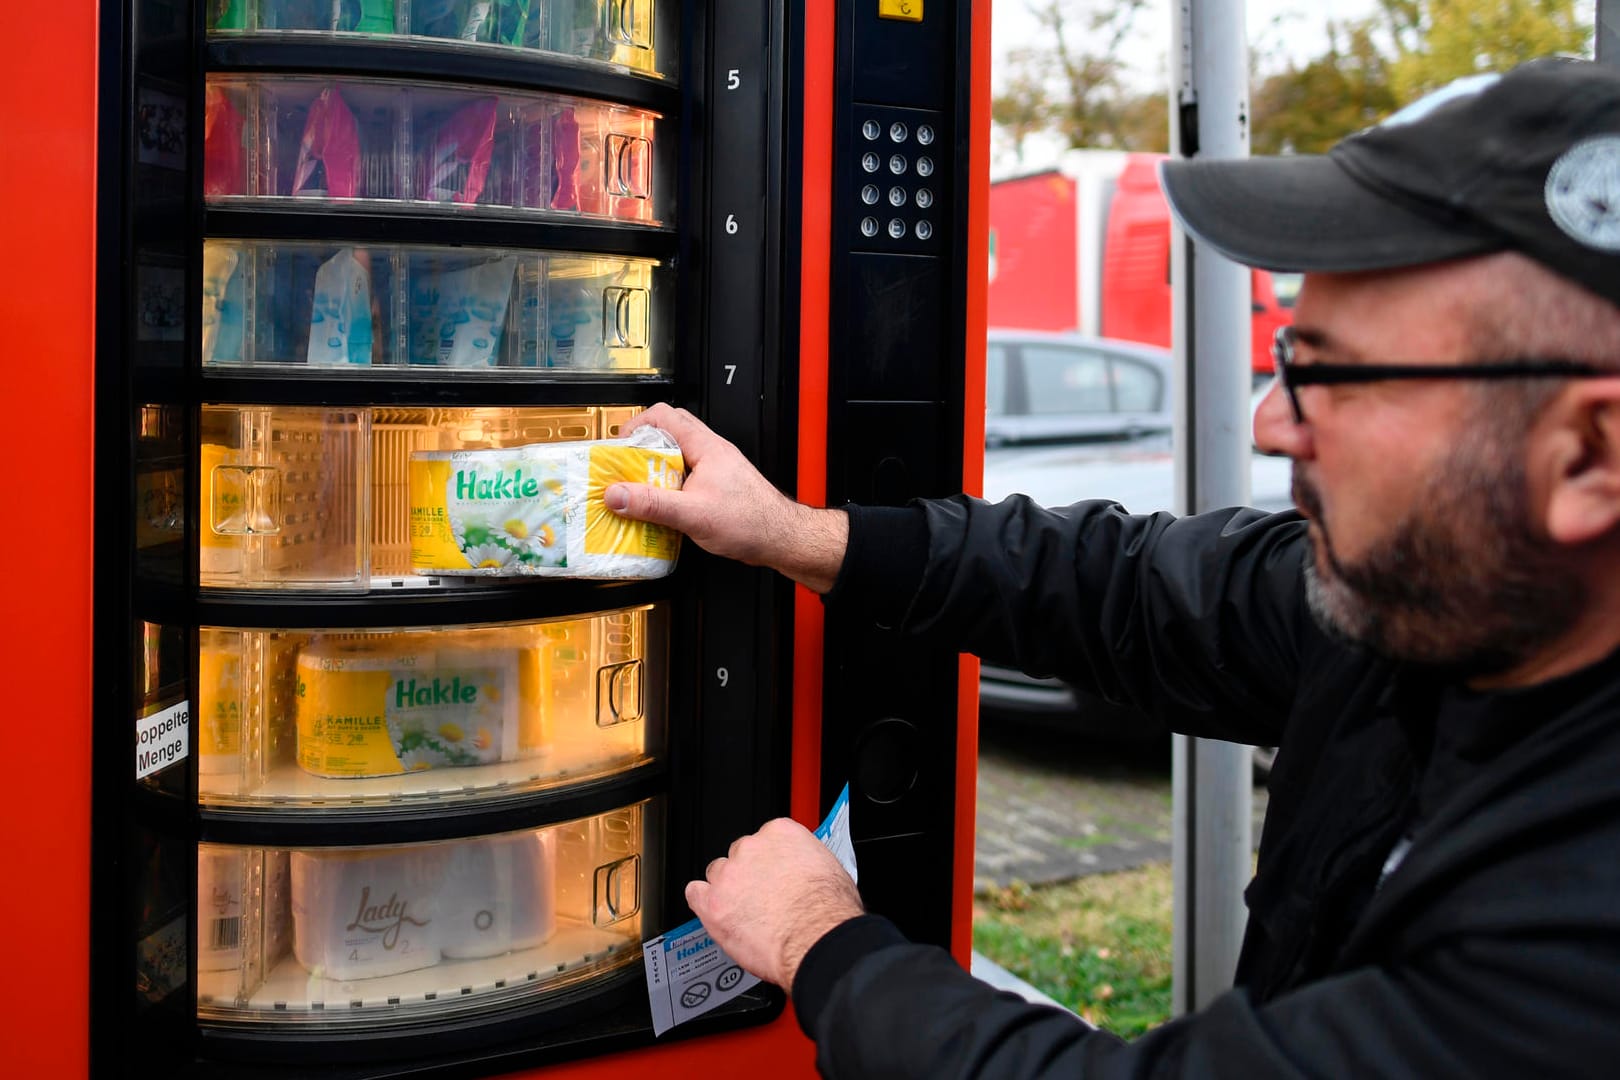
column 1503, row 1005
column 1198, row 620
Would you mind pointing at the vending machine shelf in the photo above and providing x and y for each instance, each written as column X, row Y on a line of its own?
column 291, row 995
column 613, row 34
column 372, row 936
column 225, row 385
column 431, row 312
column 439, row 59
column 470, row 601
column 367, row 224
column 341, row 142
column 339, row 500
column 295, row 720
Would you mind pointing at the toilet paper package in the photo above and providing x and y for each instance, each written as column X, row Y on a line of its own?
column 340, row 329
column 539, row 510
column 499, row 895
column 219, row 703
column 388, row 706
column 220, row 879
column 365, row 914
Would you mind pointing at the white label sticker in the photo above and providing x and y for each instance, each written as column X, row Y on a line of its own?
column 162, row 739
column 688, row 974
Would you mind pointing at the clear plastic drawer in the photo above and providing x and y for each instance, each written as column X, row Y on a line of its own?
column 463, row 311
column 432, row 715
column 319, row 499
column 284, row 497
column 619, row 32
column 364, row 937
column 344, row 141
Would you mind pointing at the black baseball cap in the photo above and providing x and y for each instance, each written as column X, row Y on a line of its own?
column 1528, row 161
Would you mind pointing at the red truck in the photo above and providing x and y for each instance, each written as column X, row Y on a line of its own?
column 1086, row 247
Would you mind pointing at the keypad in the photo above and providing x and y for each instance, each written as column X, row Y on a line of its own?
column 900, row 191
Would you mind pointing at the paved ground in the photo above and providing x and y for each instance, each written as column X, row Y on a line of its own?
column 1053, row 809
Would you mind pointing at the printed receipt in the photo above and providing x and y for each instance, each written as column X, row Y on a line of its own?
column 688, row 974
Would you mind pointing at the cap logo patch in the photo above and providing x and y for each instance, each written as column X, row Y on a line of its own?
column 1583, row 192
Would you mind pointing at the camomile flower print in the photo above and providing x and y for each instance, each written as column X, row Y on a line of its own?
column 417, row 760
column 489, row 556
column 484, row 739
column 451, row 732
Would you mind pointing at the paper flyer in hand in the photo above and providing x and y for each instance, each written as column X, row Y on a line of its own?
column 688, row 974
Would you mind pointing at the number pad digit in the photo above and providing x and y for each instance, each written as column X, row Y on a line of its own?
column 898, row 184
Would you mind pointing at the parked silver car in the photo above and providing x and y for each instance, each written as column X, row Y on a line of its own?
column 1042, row 387
column 1131, row 464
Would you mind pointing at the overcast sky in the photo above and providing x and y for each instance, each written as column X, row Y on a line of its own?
column 1279, row 29
column 1295, row 25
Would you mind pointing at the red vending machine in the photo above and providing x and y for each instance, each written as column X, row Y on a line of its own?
column 372, row 753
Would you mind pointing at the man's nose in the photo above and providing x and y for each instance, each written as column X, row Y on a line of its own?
column 1275, row 429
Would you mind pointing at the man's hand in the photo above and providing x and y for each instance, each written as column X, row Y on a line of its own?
column 729, row 509
column 772, row 897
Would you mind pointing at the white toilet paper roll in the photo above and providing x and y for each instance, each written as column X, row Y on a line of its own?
column 499, row 896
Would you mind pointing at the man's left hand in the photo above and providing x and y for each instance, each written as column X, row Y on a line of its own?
column 771, row 897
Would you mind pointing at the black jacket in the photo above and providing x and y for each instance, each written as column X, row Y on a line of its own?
column 1493, row 949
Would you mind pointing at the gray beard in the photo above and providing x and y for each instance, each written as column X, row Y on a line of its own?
column 1460, row 581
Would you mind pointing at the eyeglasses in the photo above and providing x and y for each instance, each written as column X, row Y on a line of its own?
column 1291, row 376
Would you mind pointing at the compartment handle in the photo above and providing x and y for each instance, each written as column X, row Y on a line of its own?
column 618, row 891
column 628, row 158
column 618, row 694
column 623, row 24
column 244, row 500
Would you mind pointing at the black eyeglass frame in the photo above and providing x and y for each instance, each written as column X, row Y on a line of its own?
column 1291, row 376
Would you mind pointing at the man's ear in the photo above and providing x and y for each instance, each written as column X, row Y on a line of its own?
column 1582, row 462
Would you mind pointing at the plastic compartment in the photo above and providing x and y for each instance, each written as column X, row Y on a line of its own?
column 353, row 938
column 618, row 32
column 284, row 498
column 319, row 499
column 307, row 718
column 339, row 16
column 345, row 141
column 465, row 311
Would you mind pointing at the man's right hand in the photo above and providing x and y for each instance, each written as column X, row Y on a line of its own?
column 728, row 508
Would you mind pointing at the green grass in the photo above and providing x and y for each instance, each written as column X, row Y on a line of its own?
column 1099, row 945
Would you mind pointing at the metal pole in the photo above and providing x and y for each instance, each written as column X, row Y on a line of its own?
column 1212, row 795
column 1608, row 32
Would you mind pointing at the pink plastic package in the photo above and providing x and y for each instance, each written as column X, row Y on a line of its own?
column 329, row 152
column 224, row 163
column 458, row 161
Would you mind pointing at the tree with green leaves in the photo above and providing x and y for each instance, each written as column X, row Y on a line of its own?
column 1076, row 85
column 1374, row 66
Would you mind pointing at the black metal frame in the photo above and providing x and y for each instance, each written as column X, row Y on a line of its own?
column 895, row 426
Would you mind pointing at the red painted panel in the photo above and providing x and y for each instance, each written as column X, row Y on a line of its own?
column 47, row 282
column 1034, row 283
column 967, row 712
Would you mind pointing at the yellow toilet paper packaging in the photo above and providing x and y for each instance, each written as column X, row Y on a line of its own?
column 391, row 707
column 538, row 510
column 219, row 703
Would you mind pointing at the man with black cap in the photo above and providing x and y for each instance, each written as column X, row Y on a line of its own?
column 1432, row 640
